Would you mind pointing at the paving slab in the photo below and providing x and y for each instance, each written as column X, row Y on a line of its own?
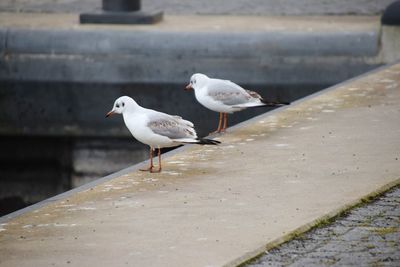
column 362, row 242
column 273, row 176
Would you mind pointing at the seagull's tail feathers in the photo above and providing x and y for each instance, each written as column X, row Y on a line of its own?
column 205, row 141
column 273, row 104
column 249, row 105
column 259, row 101
column 200, row 141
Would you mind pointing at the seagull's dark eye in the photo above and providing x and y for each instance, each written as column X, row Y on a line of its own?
column 117, row 106
column 194, row 81
column 123, row 104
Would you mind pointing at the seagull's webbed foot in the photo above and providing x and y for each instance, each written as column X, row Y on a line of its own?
column 149, row 169
column 151, row 166
column 156, row 171
column 218, row 131
column 223, row 123
column 219, row 128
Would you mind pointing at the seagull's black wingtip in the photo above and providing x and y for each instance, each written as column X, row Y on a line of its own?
column 205, row 141
column 274, row 104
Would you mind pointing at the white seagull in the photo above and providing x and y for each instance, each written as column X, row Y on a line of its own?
column 156, row 129
column 225, row 97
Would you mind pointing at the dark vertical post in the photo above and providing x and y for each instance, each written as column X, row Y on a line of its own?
column 121, row 12
column 121, row 5
column 391, row 15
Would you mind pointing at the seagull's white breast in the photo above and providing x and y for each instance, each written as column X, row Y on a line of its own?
column 137, row 125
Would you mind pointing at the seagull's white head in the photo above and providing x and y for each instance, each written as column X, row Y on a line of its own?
column 197, row 81
column 121, row 105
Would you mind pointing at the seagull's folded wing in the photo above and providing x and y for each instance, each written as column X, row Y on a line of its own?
column 227, row 92
column 173, row 127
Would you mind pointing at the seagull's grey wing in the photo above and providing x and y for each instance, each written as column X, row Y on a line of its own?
column 227, row 92
column 173, row 127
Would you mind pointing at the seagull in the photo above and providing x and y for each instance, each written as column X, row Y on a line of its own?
column 156, row 129
column 225, row 97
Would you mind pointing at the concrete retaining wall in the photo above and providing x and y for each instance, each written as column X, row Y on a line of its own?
column 282, row 57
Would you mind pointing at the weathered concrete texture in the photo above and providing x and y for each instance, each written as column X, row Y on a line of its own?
column 366, row 236
column 238, row 7
column 252, row 50
column 391, row 43
column 277, row 174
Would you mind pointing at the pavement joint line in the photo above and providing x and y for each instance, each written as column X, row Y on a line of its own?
column 321, row 221
column 137, row 166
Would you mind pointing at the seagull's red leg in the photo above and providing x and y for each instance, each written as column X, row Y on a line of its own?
column 219, row 124
column 225, row 122
column 151, row 162
column 159, row 161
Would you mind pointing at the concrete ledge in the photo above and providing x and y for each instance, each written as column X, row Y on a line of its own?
column 273, row 176
column 224, row 7
column 254, row 50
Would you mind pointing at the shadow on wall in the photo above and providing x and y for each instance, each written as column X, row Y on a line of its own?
column 10, row 204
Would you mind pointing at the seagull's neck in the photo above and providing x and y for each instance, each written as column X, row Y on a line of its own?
column 202, row 84
column 132, row 108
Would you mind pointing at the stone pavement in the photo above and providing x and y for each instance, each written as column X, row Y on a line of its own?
column 366, row 236
column 272, row 177
column 207, row 7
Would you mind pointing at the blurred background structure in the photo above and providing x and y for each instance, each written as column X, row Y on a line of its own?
column 58, row 78
column 210, row 7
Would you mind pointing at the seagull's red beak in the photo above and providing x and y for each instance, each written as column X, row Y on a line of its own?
column 110, row 113
column 188, row 87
